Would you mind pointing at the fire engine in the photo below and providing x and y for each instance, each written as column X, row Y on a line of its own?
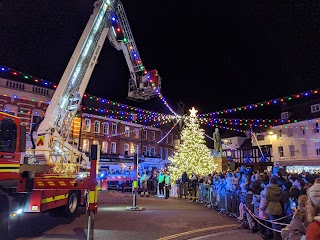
column 55, row 176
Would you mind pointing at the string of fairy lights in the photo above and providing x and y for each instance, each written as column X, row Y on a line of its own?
column 138, row 115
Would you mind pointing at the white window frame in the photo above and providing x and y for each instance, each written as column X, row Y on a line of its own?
column 317, row 147
column 144, row 135
column 85, row 145
column 160, row 152
column 153, row 151
column 144, row 150
column 105, row 128
column 96, row 128
column 284, row 115
column 315, row 108
column 279, row 134
column 114, row 129
column 126, row 149
column 280, row 152
column 316, row 128
column 153, row 136
column 87, row 124
column 304, row 150
column 127, row 131
column 113, row 147
column 104, row 148
column 136, row 133
column 292, row 151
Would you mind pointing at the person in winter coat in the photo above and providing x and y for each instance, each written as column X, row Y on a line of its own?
column 299, row 222
column 285, row 200
column 313, row 213
column 265, row 232
column 273, row 205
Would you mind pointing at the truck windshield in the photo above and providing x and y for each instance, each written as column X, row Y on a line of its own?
column 8, row 136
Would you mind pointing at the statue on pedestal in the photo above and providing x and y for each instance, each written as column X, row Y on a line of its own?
column 217, row 142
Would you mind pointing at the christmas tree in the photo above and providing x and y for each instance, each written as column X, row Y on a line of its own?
column 192, row 154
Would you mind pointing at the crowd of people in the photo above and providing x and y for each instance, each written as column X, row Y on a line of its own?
column 274, row 204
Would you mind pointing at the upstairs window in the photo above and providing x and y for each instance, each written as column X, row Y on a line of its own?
column 153, row 136
column 315, row 108
column 279, row 134
column 87, row 124
column 96, row 127
column 316, row 128
column 105, row 128
column 280, row 151
column 284, row 115
column 144, row 135
column 114, row 129
column 136, row 133
column 290, row 132
column 127, row 131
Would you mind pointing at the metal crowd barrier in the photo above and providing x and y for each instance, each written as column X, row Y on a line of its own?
column 219, row 198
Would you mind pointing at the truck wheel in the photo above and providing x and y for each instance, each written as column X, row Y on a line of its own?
column 73, row 204
column 4, row 217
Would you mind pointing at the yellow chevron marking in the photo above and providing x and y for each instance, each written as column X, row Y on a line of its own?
column 55, row 198
column 40, row 184
column 62, row 183
column 51, row 183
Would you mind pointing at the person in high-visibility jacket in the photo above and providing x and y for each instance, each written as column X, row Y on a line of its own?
column 143, row 184
column 167, row 182
column 161, row 183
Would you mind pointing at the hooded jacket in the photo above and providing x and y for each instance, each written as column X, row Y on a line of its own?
column 273, row 200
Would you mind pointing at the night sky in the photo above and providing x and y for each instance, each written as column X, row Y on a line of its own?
column 212, row 55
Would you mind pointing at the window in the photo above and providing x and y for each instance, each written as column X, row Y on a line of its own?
column 166, row 153
column 315, row 108
column 126, row 149
column 284, row 115
column 87, row 124
column 105, row 128
column 35, row 119
column 171, row 138
column 176, row 139
column 260, row 137
column 136, row 133
column 114, row 129
column 291, row 150
column 85, row 145
column 280, row 151
column 302, row 131
column 96, row 127
column 144, row 150
column 318, row 148
column 161, row 135
column 113, row 148
column 104, row 147
column 144, row 135
column 279, row 134
column 304, row 150
column 8, row 136
column 166, row 137
column 160, row 152
column 152, row 151
column 153, row 136
column 171, row 152
column 126, row 131
column 316, row 128
column 290, row 132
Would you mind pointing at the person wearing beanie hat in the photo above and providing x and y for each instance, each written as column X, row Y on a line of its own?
column 313, row 230
column 314, row 193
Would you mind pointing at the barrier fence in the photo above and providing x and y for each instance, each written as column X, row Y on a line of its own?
column 228, row 202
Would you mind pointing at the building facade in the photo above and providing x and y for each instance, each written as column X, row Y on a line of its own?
column 28, row 98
